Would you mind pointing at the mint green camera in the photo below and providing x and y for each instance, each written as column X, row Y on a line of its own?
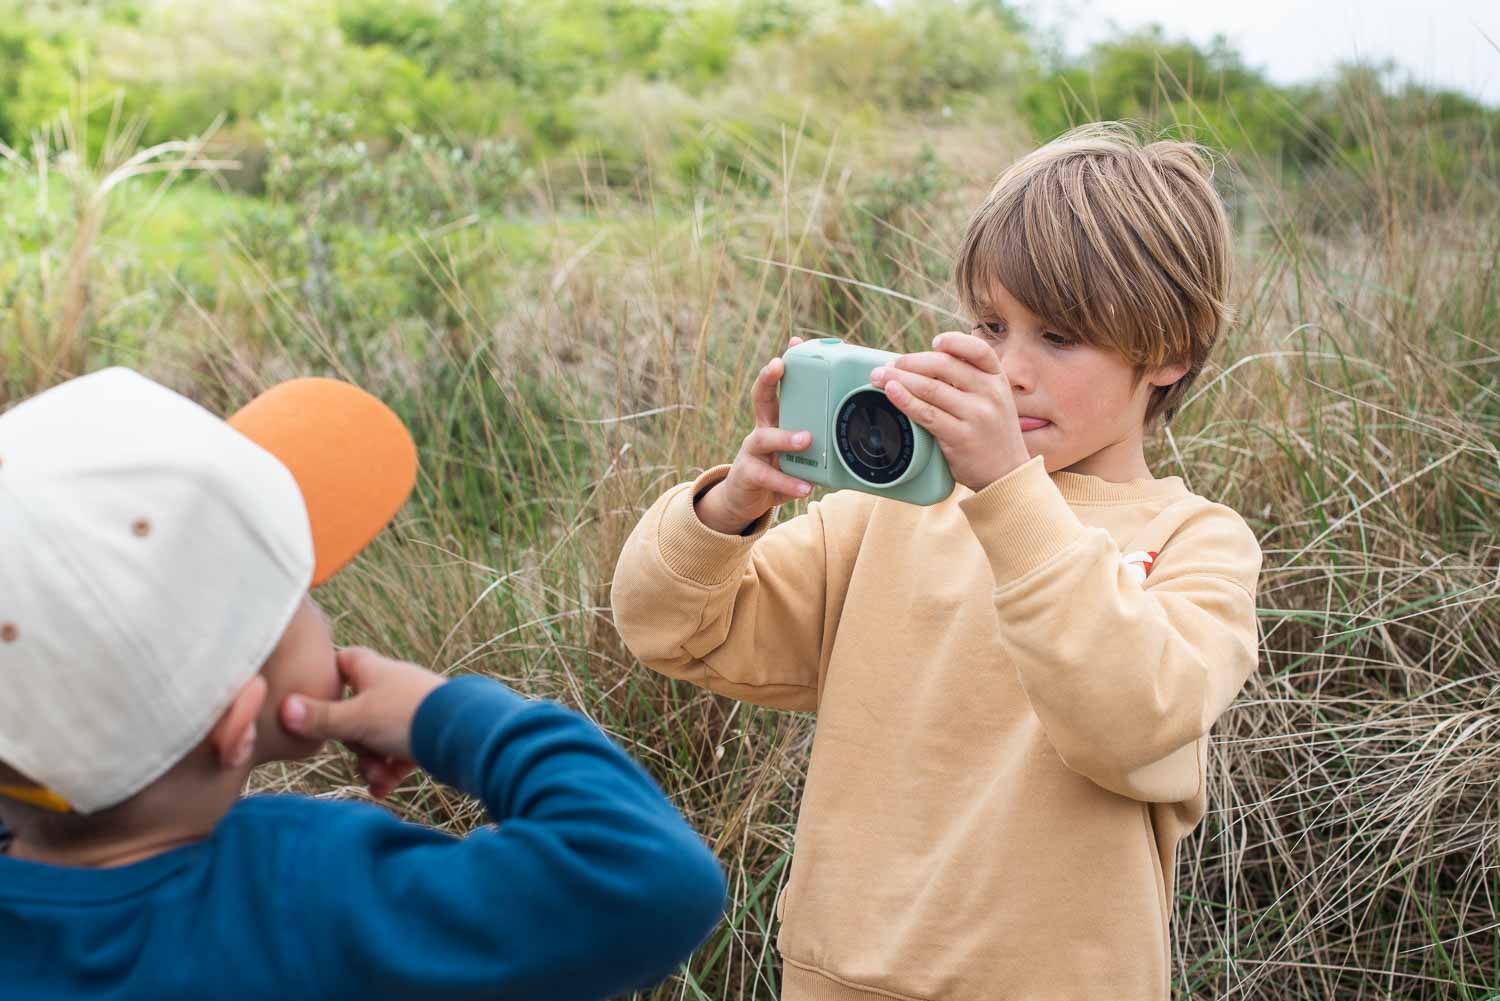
column 860, row 439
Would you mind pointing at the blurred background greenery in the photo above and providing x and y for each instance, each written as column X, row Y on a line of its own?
column 560, row 238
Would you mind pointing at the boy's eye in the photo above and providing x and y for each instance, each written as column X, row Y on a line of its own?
column 994, row 328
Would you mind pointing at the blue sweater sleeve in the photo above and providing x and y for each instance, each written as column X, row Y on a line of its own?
column 592, row 885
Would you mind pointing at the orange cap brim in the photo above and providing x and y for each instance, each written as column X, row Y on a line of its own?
column 351, row 456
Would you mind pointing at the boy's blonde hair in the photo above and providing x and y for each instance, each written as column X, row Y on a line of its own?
column 1120, row 243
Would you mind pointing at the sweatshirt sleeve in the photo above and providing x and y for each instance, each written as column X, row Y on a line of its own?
column 592, row 885
column 748, row 616
column 1127, row 679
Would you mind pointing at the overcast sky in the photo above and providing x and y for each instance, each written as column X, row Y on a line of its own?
column 1437, row 41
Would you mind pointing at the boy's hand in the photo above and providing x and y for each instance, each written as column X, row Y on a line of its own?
column 755, row 483
column 960, row 393
column 374, row 722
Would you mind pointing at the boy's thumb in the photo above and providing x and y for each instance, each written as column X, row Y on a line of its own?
column 314, row 717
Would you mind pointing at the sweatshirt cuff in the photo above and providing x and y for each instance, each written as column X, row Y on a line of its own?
column 693, row 550
column 1021, row 520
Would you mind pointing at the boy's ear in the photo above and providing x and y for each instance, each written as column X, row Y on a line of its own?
column 233, row 736
column 1169, row 374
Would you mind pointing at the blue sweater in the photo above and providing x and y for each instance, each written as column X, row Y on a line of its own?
column 592, row 885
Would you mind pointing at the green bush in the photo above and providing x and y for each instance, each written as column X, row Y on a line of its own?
column 1146, row 76
column 316, row 164
column 913, row 55
column 35, row 80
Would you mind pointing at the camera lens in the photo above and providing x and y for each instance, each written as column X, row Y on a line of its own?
column 874, row 439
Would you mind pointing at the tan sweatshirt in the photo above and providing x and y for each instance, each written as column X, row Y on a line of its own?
column 1013, row 692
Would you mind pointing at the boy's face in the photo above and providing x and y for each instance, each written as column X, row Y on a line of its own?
column 302, row 663
column 1084, row 392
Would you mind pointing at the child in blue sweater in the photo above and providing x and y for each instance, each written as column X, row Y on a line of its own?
column 157, row 642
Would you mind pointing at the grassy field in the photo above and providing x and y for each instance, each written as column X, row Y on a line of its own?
column 566, row 354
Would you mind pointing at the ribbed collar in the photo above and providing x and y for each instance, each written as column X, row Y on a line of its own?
column 1085, row 489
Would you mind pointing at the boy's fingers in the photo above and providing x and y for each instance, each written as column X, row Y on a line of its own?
column 949, row 367
column 397, row 770
column 766, row 442
column 917, row 404
column 350, row 657
column 389, row 764
column 975, row 350
column 355, row 663
column 309, row 717
column 763, row 395
column 783, row 484
column 383, row 774
column 372, row 770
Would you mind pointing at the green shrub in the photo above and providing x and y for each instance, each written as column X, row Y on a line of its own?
column 318, row 165
column 35, row 80
column 912, row 55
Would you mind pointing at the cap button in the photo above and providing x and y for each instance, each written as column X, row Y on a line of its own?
column 141, row 527
column 9, row 632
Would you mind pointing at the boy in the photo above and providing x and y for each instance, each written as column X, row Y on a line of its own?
column 157, row 643
column 1014, row 686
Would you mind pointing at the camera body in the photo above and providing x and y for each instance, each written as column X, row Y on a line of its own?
column 860, row 439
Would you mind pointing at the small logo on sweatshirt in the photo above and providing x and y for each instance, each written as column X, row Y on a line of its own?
column 1138, row 564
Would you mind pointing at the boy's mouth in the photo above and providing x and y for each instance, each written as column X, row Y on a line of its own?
column 1033, row 423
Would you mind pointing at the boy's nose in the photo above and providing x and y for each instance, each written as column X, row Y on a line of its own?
column 1017, row 367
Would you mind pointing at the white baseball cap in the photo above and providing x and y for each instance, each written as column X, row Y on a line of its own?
column 152, row 556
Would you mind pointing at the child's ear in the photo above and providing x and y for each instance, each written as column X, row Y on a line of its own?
column 1169, row 374
column 233, row 736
